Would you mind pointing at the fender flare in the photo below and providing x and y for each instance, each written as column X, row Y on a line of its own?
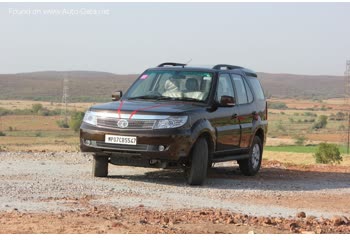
column 201, row 127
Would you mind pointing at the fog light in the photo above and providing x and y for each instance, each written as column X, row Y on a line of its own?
column 161, row 148
column 87, row 142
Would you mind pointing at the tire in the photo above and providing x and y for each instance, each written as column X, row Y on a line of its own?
column 251, row 166
column 196, row 173
column 100, row 166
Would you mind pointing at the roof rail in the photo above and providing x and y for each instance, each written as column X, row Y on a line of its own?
column 248, row 72
column 171, row 64
column 230, row 67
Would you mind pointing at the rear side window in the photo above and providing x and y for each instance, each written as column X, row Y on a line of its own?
column 240, row 89
column 254, row 82
column 249, row 92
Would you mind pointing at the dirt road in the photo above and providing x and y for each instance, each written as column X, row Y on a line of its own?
column 54, row 192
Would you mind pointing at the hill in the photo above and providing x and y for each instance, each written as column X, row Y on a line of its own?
column 98, row 86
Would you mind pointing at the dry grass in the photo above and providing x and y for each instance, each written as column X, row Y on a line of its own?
column 298, row 158
column 30, row 123
column 334, row 104
column 27, row 104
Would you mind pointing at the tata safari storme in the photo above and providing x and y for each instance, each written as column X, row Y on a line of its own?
column 179, row 116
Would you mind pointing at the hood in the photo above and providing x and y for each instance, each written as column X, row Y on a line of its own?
column 148, row 107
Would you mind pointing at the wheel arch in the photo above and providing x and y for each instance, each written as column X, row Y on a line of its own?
column 260, row 134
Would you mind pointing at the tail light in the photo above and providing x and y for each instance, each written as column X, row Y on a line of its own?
column 266, row 111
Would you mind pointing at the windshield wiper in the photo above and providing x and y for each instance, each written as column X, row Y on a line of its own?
column 188, row 99
column 144, row 97
column 156, row 97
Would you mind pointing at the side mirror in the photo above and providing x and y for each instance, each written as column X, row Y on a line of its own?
column 227, row 101
column 117, row 95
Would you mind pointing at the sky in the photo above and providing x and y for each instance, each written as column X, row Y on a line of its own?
column 126, row 38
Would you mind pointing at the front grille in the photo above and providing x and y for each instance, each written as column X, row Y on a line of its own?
column 140, row 147
column 133, row 123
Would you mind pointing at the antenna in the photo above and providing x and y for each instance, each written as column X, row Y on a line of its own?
column 189, row 61
column 65, row 100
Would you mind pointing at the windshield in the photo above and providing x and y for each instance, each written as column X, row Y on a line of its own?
column 172, row 85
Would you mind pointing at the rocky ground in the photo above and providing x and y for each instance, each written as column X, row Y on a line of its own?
column 55, row 193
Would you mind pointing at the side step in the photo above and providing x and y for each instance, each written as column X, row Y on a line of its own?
column 230, row 158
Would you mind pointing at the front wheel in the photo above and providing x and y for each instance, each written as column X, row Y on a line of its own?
column 251, row 166
column 100, row 166
column 196, row 173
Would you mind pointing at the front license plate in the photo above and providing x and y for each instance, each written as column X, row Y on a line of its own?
column 120, row 139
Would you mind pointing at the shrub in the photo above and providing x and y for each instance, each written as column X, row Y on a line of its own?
column 321, row 122
column 300, row 140
column 277, row 105
column 340, row 116
column 62, row 124
column 341, row 128
column 38, row 134
column 36, row 107
column 2, row 134
column 44, row 112
column 328, row 153
column 76, row 120
column 10, row 128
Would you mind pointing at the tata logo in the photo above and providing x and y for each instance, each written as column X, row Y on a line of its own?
column 122, row 123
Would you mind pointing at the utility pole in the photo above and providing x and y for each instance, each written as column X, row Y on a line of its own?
column 347, row 102
column 65, row 95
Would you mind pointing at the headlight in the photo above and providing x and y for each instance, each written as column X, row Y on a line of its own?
column 90, row 118
column 171, row 122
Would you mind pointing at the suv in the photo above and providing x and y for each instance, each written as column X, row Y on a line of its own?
column 179, row 116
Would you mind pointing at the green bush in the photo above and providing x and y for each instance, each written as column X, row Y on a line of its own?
column 76, row 120
column 37, row 107
column 2, row 134
column 62, row 124
column 38, row 134
column 277, row 105
column 300, row 140
column 321, row 122
column 328, row 153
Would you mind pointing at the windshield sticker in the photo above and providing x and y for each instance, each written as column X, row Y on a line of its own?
column 144, row 76
column 207, row 78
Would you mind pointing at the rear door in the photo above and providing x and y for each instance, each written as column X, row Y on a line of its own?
column 245, row 107
column 224, row 119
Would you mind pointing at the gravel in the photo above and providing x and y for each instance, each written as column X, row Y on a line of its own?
column 44, row 182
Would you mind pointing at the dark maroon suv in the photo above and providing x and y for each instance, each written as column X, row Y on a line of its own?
column 179, row 116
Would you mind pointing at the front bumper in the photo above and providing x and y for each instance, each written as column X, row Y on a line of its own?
column 177, row 142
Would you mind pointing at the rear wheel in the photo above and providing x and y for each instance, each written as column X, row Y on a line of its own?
column 196, row 173
column 100, row 166
column 251, row 166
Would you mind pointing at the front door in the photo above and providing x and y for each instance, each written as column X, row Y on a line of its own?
column 225, row 119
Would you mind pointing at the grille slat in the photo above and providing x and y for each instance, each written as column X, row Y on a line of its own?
column 133, row 123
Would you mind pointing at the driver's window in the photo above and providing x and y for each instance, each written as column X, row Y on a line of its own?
column 224, row 87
